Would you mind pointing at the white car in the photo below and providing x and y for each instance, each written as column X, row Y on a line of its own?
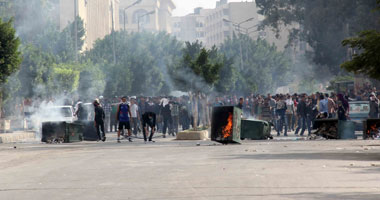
column 58, row 113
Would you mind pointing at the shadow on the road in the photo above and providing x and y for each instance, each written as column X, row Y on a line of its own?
column 346, row 196
column 312, row 156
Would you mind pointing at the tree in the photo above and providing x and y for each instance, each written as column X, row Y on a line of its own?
column 36, row 72
column 260, row 68
column 142, row 62
column 198, row 71
column 322, row 25
column 366, row 60
column 10, row 57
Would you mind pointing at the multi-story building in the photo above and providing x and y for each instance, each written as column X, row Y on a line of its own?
column 148, row 15
column 229, row 18
column 100, row 17
column 191, row 27
column 214, row 26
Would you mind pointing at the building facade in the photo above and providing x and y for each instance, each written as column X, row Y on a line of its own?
column 100, row 17
column 229, row 18
column 191, row 27
column 214, row 26
column 147, row 15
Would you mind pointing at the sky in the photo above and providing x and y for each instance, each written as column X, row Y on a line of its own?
column 185, row 7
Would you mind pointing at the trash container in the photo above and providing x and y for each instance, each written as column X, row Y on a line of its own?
column 255, row 129
column 371, row 128
column 346, row 129
column 61, row 132
column 89, row 131
column 74, row 132
column 225, row 124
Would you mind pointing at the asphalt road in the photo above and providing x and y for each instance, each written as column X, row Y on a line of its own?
column 168, row 169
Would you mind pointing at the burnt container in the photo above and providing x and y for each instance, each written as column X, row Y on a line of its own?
column 61, row 132
column 89, row 132
column 225, row 124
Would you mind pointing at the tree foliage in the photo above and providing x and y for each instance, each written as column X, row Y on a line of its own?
column 366, row 60
column 10, row 57
column 142, row 61
column 322, row 24
column 259, row 66
column 199, row 69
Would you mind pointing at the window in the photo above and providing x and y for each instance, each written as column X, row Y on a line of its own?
column 143, row 20
column 226, row 11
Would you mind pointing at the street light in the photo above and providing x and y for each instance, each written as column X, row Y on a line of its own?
column 141, row 16
column 238, row 27
column 135, row 3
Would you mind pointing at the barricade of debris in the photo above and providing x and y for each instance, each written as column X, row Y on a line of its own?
column 326, row 130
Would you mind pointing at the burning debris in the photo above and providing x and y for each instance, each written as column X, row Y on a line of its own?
column 371, row 129
column 225, row 125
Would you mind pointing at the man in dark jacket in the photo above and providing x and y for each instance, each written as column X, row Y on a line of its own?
column 148, row 120
column 99, row 120
column 301, row 113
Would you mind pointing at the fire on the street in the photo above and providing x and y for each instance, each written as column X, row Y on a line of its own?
column 227, row 130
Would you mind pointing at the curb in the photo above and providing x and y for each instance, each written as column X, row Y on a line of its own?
column 16, row 137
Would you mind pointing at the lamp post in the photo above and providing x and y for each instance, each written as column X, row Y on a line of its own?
column 141, row 16
column 130, row 6
column 238, row 26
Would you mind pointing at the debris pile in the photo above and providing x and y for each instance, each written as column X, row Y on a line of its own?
column 328, row 131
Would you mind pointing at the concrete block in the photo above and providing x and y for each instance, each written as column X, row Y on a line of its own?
column 192, row 135
column 16, row 137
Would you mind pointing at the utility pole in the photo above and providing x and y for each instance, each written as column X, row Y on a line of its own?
column 76, row 29
column 240, row 34
column 113, row 34
column 130, row 6
column 141, row 16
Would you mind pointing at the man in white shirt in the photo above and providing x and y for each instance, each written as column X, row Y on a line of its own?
column 135, row 116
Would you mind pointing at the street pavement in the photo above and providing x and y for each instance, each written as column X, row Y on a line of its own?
column 284, row 168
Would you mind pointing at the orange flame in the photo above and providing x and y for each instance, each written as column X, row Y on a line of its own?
column 227, row 130
column 372, row 128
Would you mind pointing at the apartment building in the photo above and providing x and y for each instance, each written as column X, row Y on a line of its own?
column 191, row 27
column 147, row 15
column 229, row 18
column 100, row 17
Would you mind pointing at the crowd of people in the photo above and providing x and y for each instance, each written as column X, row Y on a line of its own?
column 167, row 115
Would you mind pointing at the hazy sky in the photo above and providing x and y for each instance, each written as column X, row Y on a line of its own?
column 185, row 7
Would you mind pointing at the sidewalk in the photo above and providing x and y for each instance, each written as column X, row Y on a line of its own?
column 18, row 136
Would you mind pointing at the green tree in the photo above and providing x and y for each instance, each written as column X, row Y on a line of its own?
column 197, row 73
column 10, row 57
column 259, row 67
column 142, row 62
column 322, row 25
column 367, row 59
column 36, row 72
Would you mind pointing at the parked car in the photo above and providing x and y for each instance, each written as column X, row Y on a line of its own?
column 359, row 111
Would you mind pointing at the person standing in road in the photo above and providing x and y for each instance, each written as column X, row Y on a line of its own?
column 123, row 113
column 301, row 113
column 99, row 120
column 135, row 116
column 148, row 121
column 289, row 112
